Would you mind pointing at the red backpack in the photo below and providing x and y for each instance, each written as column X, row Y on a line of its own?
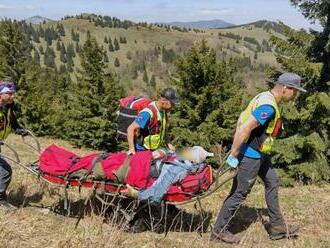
column 129, row 108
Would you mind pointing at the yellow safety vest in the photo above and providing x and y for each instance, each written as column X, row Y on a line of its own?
column 5, row 122
column 272, row 128
column 154, row 140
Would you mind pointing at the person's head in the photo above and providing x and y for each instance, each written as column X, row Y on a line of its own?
column 168, row 99
column 195, row 154
column 288, row 85
column 7, row 92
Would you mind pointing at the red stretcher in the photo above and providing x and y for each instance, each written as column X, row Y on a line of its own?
column 178, row 194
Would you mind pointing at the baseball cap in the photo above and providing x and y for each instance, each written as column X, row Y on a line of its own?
column 291, row 80
column 169, row 94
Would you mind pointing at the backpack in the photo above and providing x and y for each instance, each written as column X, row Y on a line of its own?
column 129, row 108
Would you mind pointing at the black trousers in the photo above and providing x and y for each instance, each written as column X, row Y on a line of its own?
column 5, row 177
column 248, row 171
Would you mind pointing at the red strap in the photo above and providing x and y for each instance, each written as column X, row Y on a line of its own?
column 154, row 120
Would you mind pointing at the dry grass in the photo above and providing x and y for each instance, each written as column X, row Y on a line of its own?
column 33, row 225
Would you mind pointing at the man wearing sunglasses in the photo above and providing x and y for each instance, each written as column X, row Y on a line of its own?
column 8, row 122
column 257, row 127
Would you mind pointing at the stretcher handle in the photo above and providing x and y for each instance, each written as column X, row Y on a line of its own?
column 36, row 148
column 16, row 157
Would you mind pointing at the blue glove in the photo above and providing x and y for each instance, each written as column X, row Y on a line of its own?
column 232, row 161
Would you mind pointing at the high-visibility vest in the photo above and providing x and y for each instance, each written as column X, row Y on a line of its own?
column 156, row 129
column 5, row 123
column 263, row 141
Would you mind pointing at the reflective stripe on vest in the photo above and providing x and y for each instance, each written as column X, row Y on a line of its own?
column 5, row 127
column 264, row 98
column 153, row 141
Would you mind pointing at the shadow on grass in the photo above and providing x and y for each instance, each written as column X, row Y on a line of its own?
column 134, row 217
column 19, row 197
column 246, row 216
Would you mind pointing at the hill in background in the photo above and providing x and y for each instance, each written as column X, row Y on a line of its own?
column 142, row 54
column 202, row 24
column 37, row 20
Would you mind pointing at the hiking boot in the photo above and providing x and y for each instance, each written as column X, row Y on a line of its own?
column 5, row 205
column 226, row 237
column 283, row 231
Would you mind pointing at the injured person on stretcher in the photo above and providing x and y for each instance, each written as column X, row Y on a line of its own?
column 168, row 168
column 146, row 175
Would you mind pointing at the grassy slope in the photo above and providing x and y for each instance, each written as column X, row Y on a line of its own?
column 145, row 39
column 30, row 226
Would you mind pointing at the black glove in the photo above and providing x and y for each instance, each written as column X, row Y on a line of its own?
column 22, row 131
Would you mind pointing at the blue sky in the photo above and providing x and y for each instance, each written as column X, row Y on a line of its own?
column 234, row 11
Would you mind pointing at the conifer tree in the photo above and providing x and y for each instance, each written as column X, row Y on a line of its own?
column 58, row 45
column 49, row 57
column 15, row 49
column 145, row 77
column 36, row 57
column 116, row 44
column 70, row 50
column 153, row 81
column 116, row 62
column 210, row 98
column 93, row 112
column 111, row 48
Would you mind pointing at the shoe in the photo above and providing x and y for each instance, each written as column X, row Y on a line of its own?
column 226, row 237
column 283, row 231
column 5, row 205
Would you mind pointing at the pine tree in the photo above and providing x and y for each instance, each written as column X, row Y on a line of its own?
column 153, row 82
column 62, row 69
column 62, row 56
column 60, row 29
column 49, row 57
column 111, row 48
column 15, row 49
column 210, row 98
column 92, row 116
column 69, row 64
column 116, row 44
column 145, row 77
column 36, row 57
column 41, row 49
column 44, row 96
column 129, row 55
column 58, row 45
column 122, row 40
column 70, row 50
column 77, row 47
column 116, row 62
column 106, row 58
